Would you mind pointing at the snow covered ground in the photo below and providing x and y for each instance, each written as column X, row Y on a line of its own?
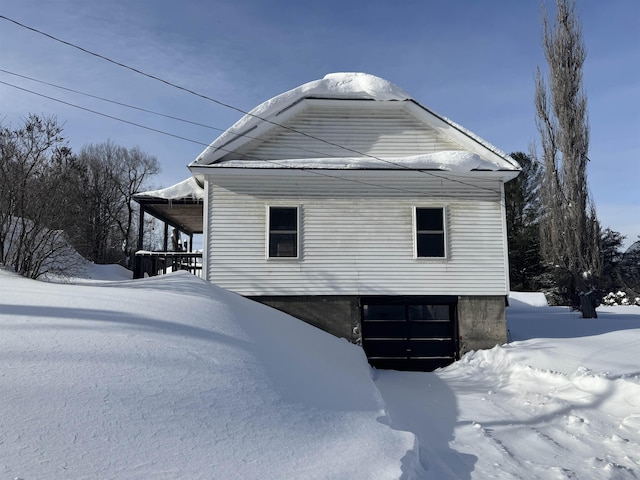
column 560, row 402
column 171, row 377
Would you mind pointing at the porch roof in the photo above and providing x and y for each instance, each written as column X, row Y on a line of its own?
column 180, row 205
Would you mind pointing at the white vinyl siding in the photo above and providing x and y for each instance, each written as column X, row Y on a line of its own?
column 383, row 130
column 356, row 238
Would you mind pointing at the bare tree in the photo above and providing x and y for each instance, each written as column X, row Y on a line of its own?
column 570, row 231
column 31, row 195
column 108, row 175
column 50, row 199
column 132, row 173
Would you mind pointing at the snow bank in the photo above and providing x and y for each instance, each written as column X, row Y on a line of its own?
column 171, row 377
column 516, row 415
column 541, row 408
column 104, row 273
column 531, row 299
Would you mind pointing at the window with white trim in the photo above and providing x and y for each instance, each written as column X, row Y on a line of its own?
column 430, row 239
column 282, row 234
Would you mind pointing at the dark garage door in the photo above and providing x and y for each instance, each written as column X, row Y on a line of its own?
column 409, row 333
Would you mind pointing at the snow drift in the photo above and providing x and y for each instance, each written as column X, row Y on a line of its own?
column 171, row 377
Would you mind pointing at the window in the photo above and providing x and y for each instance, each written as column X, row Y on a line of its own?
column 283, row 232
column 381, row 313
column 429, row 313
column 430, row 239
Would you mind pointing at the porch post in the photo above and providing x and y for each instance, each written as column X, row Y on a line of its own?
column 141, row 228
column 165, row 243
column 137, row 260
column 165, row 247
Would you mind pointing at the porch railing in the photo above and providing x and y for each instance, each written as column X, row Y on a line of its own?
column 150, row 264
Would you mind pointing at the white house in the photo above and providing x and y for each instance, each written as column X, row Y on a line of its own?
column 349, row 205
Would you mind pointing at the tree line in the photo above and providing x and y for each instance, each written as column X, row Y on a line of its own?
column 56, row 204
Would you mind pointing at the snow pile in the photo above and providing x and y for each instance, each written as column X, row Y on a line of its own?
column 171, row 377
column 346, row 85
column 453, row 161
column 517, row 415
column 104, row 273
column 539, row 408
column 531, row 299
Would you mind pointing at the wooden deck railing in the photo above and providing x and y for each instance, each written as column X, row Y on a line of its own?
column 158, row 263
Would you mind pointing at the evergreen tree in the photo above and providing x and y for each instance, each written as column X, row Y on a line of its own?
column 523, row 210
column 611, row 280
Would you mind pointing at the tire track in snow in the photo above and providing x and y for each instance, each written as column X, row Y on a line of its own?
column 520, row 408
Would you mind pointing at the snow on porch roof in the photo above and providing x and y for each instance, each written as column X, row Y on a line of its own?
column 180, row 205
column 188, row 189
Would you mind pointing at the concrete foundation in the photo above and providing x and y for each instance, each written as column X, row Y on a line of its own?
column 481, row 319
column 338, row 315
column 482, row 322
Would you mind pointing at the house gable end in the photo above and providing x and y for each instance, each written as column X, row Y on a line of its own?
column 343, row 128
column 340, row 128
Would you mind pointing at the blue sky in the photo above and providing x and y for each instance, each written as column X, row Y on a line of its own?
column 472, row 61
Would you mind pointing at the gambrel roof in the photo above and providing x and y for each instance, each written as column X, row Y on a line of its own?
column 350, row 121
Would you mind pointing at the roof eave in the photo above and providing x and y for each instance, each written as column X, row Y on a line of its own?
column 222, row 170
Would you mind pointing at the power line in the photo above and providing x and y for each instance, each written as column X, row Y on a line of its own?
column 145, row 110
column 274, row 162
column 112, row 117
column 133, row 69
column 103, row 114
column 218, row 102
column 115, row 102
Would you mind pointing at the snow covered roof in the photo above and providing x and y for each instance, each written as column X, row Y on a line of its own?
column 188, row 189
column 352, row 86
column 453, row 161
column 180, row 205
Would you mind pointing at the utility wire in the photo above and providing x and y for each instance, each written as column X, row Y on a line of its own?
column 145, row 110
column 219, row 102
column 274, row 162
column 103, row 114
column 115, row 102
